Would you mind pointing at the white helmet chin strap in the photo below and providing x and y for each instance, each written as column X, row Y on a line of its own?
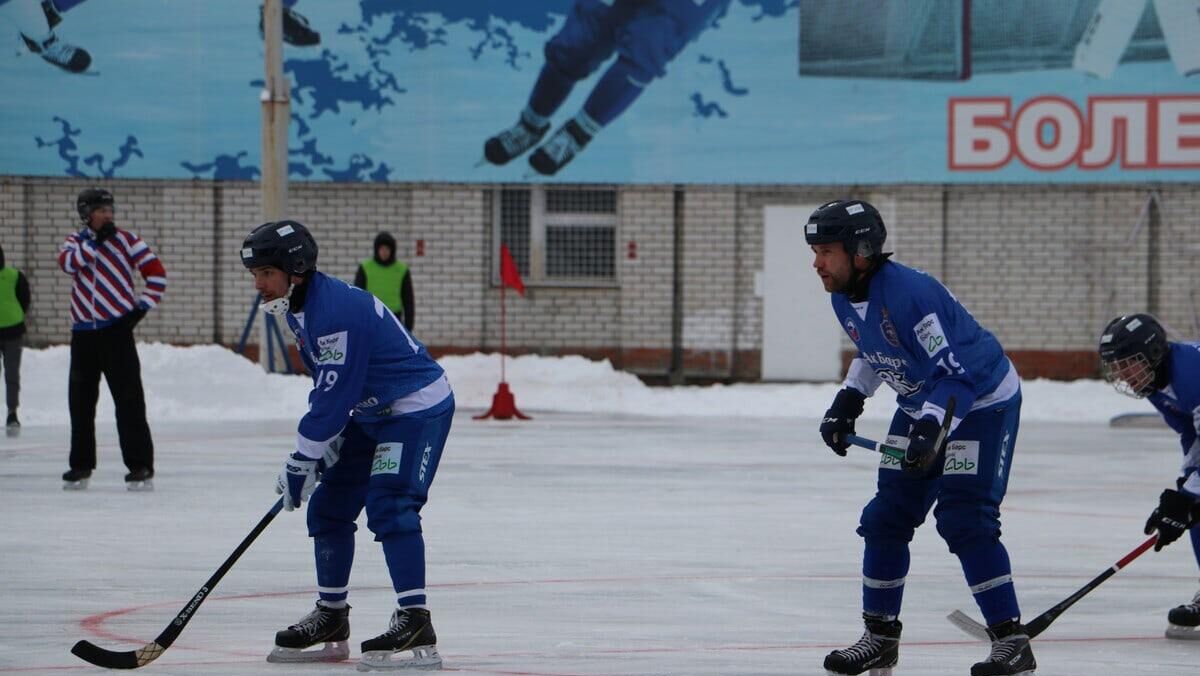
column 280, row 306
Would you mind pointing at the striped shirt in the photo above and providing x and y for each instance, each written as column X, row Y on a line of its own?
column 102, row 291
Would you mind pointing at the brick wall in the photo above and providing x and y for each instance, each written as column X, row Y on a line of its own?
column 1044, row 267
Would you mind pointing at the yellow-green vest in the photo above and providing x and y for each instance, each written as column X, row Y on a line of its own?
column 11, row 313
column 384, row 281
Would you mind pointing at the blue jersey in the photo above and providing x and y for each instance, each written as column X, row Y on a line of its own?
column 362, row 361
column 914, row 335
column 1179, row 404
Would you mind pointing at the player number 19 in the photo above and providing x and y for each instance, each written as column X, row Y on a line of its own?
column 953, row 367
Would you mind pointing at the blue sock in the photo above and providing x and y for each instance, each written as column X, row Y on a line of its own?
column 989, row 575
column 335, row 555
column 405, row 555
column 550, row 90
column 616, row 90
column 885, row 566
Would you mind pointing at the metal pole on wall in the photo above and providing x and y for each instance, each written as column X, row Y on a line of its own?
column 275, row 99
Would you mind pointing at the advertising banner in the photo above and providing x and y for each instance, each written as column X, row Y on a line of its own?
column 612, row 91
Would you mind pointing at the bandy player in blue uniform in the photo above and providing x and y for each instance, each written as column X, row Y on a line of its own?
column 1138, row 360
column 912, row 334
column 644, row 34
column 378, row 417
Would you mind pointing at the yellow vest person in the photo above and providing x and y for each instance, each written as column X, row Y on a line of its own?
column 388, row 279
column 14, row 304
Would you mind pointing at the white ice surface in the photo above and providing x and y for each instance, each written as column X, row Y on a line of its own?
column 601, row 543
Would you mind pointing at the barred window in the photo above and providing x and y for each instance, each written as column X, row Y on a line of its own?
column 557, row 236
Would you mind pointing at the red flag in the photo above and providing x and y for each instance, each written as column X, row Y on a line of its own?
column 509, row 275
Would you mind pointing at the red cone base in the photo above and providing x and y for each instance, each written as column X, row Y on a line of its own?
column 504, row 405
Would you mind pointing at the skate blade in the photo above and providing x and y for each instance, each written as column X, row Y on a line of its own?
column 334, row 651
column 424, row 657
column 1184, row 633
column 13, row 431
column 140, row 486
column 80, row 485
column 885, row 671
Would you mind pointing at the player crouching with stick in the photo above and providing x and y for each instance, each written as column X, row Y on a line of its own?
column 1139, row 361
column 378, row 417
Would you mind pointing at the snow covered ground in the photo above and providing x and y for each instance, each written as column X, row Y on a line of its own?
column 625, row 530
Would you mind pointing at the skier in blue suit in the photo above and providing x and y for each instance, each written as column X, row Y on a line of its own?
column 378, row 417
column 911, row 333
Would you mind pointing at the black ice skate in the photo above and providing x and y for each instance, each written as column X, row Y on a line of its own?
column 1184, row 621
column 76, row 479
column 64, row 55
column 503, row 147
column 410, row 629
column 563, row 146
column 140, row 479
column 296, row 30
column 1011, row 654
column 13, row 426
column 330, row 626
column 876, row 652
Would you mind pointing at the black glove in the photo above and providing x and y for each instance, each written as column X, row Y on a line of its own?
column 132, row 317
column 1175, row 513
column 921, row 449
column 105, row 232
column 839, row 419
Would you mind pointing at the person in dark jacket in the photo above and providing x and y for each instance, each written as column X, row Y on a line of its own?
column 388, row 279
column 14, row 305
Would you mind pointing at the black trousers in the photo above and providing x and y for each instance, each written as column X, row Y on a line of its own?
column 10, row 349
column 112, row 353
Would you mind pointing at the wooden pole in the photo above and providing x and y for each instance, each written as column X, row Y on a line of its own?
column 275, row 98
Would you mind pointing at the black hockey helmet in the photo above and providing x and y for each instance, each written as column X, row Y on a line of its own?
column 854, row 223
column 91, row 199
column 286, row 245
column 1133, row 354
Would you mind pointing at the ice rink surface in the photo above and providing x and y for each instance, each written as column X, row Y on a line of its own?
column 584, row 545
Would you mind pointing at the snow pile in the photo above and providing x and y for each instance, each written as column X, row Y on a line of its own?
column 211, row 383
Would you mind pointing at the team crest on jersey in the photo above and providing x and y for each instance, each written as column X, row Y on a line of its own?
column 851, row 329
column 889, row 329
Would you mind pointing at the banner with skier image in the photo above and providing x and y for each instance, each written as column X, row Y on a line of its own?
column 611, row 91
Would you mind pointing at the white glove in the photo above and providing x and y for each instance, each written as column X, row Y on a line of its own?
column 297, row 480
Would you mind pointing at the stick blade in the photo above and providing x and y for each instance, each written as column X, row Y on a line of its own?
column 110, row 659
column 968, row 625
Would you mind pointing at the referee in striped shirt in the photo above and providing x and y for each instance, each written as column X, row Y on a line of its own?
column 101, row 259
